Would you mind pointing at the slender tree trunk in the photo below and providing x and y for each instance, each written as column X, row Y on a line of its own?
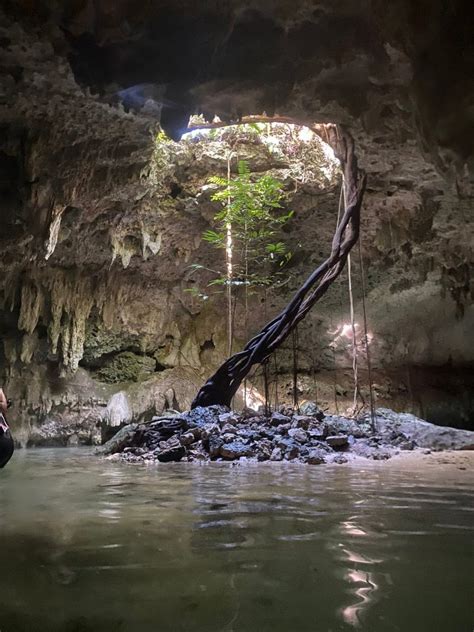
column 222, row 386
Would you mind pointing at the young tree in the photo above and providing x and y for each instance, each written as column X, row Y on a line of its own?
column 247, row 229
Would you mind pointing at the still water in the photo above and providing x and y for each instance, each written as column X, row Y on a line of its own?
column 89, row 545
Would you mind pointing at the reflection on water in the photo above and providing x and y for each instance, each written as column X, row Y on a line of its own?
column 89, row 545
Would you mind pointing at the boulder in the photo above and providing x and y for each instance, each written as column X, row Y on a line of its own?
column 423, row 433
column 126, row 436
column 341, row 425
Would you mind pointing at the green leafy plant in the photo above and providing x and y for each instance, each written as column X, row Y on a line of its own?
column 249, row 207
column 248, row 228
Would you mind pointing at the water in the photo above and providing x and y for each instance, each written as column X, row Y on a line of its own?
column 90, row 545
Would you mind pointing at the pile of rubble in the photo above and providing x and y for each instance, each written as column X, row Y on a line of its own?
column 306, row 436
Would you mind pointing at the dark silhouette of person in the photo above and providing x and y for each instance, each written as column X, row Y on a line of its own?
column 6, row 440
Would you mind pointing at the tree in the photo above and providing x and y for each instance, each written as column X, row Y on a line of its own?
column 221, row 387
column 246, row 228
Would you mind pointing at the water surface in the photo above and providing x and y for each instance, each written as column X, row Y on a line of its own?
column 89, row 545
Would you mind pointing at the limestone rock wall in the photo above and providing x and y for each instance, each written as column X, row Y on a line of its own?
column 98, row 224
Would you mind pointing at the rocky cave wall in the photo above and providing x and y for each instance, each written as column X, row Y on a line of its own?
column 98, row 227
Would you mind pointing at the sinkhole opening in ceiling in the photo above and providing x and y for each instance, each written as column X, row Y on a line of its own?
column 296, row 151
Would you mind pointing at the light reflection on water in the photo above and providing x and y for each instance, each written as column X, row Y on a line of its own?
column 93, row 545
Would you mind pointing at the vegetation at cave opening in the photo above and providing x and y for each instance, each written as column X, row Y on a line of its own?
column 221, row 387
column 248, row 226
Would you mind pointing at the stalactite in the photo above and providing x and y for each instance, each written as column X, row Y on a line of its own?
column 32, row 303
column 72, row 300
column 64, row 301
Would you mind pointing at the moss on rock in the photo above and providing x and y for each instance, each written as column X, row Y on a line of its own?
column 127, row 367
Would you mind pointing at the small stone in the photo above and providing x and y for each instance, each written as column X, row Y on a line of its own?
column 340, row 459
column 204, row 415
column 298, row 435
column 227, row 418
column 172, row 454
column 235, row 450
column 292, row 453
column 229, row 429
column 215, row 444
column 312, row 409
column 228, row 437
column 187, row 438
column 316, row 457
column 276, row 455
column 277, row 419
column 302, row 421
column 337, row 441
column 318, row 433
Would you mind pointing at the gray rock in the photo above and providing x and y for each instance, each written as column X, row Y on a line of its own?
column 126, row 436
column 276, row 455
column 235, row 450
column 342, row 425
column 316, row 457
column 312, row 409
column 215, row 444
column 318, row 433
column 204, row 415
column 298, row 435
column 337, row 441
column 175, row 453
column 229, row 429
column 187, row 438
column 424, row 434
column 278, row 419
column 302, row 421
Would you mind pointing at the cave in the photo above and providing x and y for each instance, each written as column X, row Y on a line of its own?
column 123, row 126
